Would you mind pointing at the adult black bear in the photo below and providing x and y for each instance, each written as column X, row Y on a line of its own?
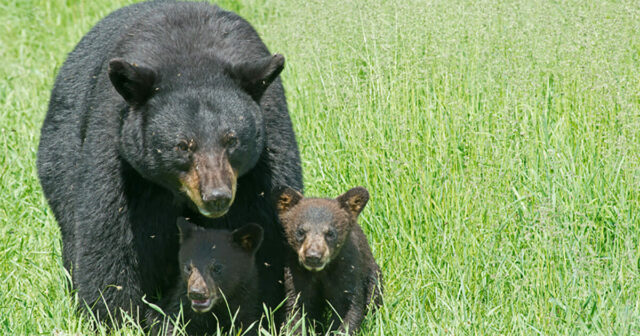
column 163, row 109
column 219, row 280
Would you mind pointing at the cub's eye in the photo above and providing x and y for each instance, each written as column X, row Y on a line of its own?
column 230, row 140
column 216, row 269
column 300, row 233
column 331, row 235
column 186, row 268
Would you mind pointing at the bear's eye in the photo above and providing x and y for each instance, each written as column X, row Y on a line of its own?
column 216, row 269
column 186, row 146
column 300, row 233
column 187, row 269
column 230, row 140
column 331, row 235
column 183, row 145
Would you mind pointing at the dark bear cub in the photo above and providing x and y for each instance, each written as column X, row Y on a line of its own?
column 218, row 279
column 330, row 267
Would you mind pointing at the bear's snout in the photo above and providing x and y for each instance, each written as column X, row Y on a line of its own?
column 218, row 199
column 197, row 286
column 198, row 292
column 313, row 254
column 313, row 258
column 210, row 184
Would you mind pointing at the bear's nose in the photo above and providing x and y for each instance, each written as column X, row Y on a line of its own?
column 218, row 198
column 198, row 294
column 313, row 257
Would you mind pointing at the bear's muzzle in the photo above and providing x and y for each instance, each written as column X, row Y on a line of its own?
column 210, row 184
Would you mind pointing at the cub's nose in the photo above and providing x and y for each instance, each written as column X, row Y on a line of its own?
column 217, row 198
column 313, row 258
column 198, row 294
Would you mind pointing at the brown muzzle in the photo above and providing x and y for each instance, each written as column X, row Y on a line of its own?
column 210, row 184
column 314, row 253
column 202, row 298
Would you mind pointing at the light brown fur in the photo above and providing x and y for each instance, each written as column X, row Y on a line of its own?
column 209, row 171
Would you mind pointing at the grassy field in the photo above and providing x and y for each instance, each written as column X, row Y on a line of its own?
column 500, row 141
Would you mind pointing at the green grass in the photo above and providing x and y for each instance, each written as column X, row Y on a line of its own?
column 500, row 141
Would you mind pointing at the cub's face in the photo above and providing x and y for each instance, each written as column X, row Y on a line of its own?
column 316, row 228
column 194, row 131
column 216, row 262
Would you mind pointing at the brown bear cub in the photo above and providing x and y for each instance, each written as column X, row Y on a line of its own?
column 330, row 267
column 219, row 278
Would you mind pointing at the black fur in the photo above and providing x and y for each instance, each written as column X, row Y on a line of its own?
column 148, row 88
column 226, row 262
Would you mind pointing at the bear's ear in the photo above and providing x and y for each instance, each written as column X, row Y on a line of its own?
column 185, row 228
column 285, row 198
column 354, row 200
column 133, row 82
column 249, row 237
column 255, row 77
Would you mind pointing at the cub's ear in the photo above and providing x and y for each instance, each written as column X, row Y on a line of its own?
column 185, row 228
column 249, row 237
column 354, row 200
column 133, row 82
column 255, row 77
column 285, row 198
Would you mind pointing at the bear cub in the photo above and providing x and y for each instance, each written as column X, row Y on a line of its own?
column 329, row 267
column 218, row 279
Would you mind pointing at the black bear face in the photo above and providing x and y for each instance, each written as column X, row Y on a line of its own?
column 316, row 228
column 194, row 131
column 206, row 139
column 216, row 263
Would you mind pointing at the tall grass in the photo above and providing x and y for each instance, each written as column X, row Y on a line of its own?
column 500, row 141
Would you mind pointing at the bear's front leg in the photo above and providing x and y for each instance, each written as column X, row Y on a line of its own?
column 349, row 311
column 105, row 269
column 374, row 289
column 293, row 307
column 302, row 298
column 158, row 324
column 106, row 273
